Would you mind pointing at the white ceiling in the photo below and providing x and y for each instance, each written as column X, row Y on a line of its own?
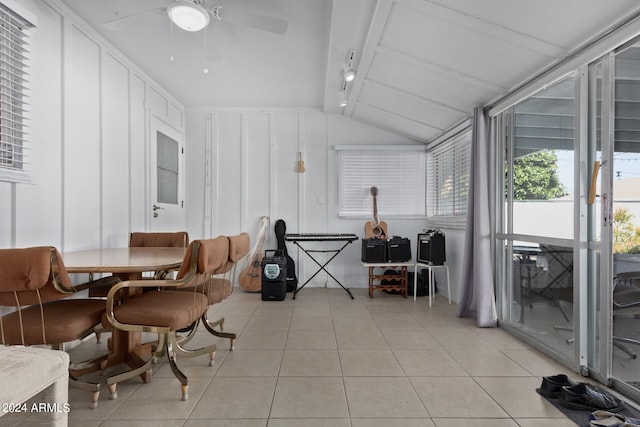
column 422, row 65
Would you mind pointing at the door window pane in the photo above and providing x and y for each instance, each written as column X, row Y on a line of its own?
column 626, row 218
column 167, row 169
column 542, row 170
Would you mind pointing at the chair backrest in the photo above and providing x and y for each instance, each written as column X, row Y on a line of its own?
column 239, row 247
column 178, row 239
column 32, row 275
column 211, row 255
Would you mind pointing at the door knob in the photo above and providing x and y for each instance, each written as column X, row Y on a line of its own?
column 155, row 207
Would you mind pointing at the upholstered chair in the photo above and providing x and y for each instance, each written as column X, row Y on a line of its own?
column 138, row 239
column 218, row 288
column 35, row 291
column 178, row 239
column 163, row 310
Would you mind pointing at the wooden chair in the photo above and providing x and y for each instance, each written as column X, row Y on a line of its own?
column 163, row 310
column 217, row 289
column 36, row 284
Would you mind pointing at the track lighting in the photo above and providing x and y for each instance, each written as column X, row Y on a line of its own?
column 342, row 102
column 342, row 96
column 188, row 15
column 349, row 74
column 348, row 70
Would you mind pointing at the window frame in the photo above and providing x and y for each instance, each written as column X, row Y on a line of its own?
column 15, row 147
column 456, row 145
column 362, row 207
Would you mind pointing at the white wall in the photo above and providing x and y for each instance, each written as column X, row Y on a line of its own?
column 242, row 165
column 89, row 121
column 90, row 134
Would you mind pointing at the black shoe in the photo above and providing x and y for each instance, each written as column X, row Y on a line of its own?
column 580, row 396
column 552, row 386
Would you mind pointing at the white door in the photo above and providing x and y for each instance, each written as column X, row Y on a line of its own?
column 166, row 180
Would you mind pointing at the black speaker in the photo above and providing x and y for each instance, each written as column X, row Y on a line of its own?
column 374, row 250
column 274, row 276
column 431, row 248
column 398, row 249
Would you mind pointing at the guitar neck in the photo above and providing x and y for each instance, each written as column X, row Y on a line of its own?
column 375, row 211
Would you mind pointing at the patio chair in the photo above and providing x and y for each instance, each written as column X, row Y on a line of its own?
column 626, row 295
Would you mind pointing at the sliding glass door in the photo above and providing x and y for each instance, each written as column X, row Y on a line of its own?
column 536, row 226
column 568, row 219
column 624, row 220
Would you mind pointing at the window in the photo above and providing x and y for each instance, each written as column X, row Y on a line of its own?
column 14, row 153
column 448, row 176
column 396, row 171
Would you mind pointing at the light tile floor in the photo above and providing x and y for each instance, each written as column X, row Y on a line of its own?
column 326, row 360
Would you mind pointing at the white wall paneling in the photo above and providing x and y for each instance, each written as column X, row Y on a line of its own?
column 115, row 152
column 140, row 213
column 81, row 144
column 89, row 135
column 253, row 172
column 43, row 225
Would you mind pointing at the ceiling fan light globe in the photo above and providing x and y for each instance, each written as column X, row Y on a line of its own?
column 188, row 16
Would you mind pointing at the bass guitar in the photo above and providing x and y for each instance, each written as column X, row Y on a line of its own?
column 280, row 230
column 375, row 229
column 250, row 278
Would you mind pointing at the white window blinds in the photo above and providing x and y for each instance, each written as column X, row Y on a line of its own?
column 448, row 176
column 397, row 172
column 14, row 152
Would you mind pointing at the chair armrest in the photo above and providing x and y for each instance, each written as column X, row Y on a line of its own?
column 104, row 281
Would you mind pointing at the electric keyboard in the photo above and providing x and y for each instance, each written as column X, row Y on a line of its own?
column 320, row 237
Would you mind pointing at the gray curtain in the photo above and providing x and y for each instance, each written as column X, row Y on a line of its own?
column 477, row 298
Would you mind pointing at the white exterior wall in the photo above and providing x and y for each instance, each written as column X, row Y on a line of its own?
column 89, row 114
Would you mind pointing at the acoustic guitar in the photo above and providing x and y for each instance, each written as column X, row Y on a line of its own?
column 375, row 229
column 250, row 278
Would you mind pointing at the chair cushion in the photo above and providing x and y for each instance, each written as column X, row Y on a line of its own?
column 169, row 309
column 239, row 246
column 64, row 321
column 27, row 277
column 216, row 289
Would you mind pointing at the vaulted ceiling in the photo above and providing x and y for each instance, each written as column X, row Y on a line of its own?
column 421, row 65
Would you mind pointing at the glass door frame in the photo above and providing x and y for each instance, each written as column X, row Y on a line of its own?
column 504, row 134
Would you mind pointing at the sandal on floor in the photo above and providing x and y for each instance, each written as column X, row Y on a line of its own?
column 552, row 386
column 606, row 419
column 581, row 397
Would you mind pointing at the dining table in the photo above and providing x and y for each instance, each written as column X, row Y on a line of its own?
column 128, row 264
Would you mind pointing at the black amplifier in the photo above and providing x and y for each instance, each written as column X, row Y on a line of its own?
column 431, row 248
column 398, row 249
column 274, row 276
column 374, row 250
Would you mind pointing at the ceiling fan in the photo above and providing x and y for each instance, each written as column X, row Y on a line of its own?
column 194, row 15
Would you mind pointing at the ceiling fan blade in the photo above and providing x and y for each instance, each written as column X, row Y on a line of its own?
column 132, row 21
column 254, row 20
